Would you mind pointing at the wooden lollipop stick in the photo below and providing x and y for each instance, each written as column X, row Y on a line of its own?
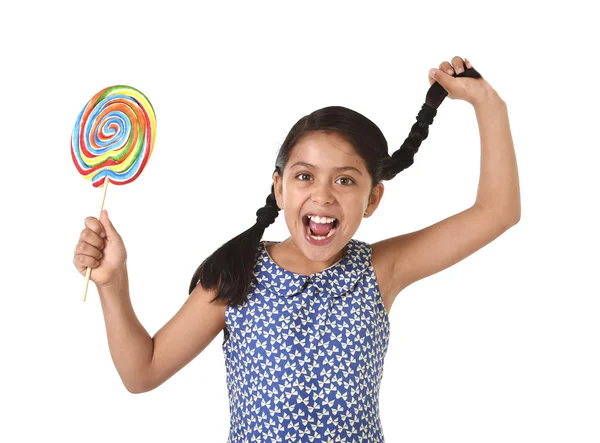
column 89, row 270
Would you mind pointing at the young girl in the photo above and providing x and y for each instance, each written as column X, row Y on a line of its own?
column 305, row 320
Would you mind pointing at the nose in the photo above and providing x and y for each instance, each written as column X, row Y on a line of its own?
column 322, row 194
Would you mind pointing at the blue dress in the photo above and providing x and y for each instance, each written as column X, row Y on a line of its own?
column 304, row 354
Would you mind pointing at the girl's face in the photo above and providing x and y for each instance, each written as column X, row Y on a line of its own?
column 326, row 187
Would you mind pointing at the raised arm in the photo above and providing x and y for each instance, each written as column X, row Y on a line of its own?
column 405, row 259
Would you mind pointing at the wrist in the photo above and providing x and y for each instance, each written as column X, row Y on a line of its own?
column 489, row 98
column 119, row 280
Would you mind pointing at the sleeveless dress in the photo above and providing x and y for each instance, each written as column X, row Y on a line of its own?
column 304, row 354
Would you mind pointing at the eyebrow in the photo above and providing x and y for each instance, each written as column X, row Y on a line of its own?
column 341, row 168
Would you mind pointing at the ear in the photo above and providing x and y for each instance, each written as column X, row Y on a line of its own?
column 375, row 197
column 278, row 187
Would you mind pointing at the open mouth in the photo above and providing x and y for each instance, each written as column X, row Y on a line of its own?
column 323, row 235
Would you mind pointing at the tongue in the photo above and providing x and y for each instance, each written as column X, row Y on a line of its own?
column 320, row 228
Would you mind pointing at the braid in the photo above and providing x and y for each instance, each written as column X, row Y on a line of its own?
column 404, row 157
column 266, row 215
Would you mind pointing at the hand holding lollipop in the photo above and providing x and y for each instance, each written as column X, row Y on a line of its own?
column 112, row 141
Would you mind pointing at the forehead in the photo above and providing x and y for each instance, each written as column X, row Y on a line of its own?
column 325, row 151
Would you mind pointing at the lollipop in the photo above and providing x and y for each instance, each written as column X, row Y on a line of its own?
column 113, row 139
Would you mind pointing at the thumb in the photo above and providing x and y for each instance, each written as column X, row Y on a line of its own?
column 111, row 232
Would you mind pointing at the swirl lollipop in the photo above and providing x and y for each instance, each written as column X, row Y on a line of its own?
column 113, row 139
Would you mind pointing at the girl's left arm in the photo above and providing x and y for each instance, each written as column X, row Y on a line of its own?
column 498, row 191
column 407, row 258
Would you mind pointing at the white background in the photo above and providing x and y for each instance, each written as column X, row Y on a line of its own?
column 504, row 346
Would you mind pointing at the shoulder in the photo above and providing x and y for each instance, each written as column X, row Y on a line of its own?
column 384, row 270
column 375, row 256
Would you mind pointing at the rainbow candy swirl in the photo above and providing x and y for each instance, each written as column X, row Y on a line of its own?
column 114, row 136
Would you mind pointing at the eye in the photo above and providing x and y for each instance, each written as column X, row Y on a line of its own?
column 341, row 178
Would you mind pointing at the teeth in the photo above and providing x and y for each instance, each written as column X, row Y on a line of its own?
column 318, row 219
column 320, row 237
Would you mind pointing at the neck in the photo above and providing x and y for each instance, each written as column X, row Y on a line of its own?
column 294, row 260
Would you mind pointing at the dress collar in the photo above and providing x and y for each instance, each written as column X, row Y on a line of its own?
column 336, row 280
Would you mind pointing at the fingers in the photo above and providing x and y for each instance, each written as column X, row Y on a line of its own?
column 444, row 67
column 93, row 224
column 457, row 66
column 86, row 249
column 82, row 262
column 447, row 68
column 92, row 238
column 86, row 256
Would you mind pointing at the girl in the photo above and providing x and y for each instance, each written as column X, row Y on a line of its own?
column 305, row 320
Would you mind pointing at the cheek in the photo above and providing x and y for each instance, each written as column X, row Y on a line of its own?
column 291, row 217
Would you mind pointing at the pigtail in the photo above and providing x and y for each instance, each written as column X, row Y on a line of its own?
column 230, row 268
column 404, row 157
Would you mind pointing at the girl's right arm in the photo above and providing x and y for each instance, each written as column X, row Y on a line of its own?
column 185, row 336
column 143, row 363
column 129, row 343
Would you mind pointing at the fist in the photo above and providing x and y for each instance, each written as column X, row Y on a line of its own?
column 101, row 248
column 472, row 90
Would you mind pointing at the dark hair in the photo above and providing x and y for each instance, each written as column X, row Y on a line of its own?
column 230, row 268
